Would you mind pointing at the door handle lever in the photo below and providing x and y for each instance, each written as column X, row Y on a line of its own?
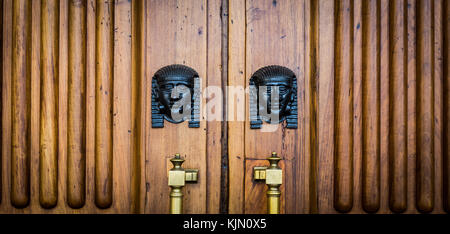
column 273, row 175
column 178, row 177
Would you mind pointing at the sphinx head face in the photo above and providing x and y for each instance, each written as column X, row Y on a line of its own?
column 273, row 97
column 175, row 90
column 172, row 92
column 280, row 86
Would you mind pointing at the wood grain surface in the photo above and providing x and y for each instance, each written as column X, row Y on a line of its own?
column 274, row 37
column 373, row 100
column 1, row 82
column 76, row 106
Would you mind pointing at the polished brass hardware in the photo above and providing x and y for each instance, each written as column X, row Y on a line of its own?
column 259, row 173
column 191, row 175
column 273, row 175
column 177, row 179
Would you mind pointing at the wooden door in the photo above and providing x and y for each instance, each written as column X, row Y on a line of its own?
column 66, row 107
column 187, row 33
column 76, row 111
column 372, row 88
column 372, row 100
column 264, row 33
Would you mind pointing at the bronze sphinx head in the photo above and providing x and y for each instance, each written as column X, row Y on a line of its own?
column 175, row 96
column 264, row 106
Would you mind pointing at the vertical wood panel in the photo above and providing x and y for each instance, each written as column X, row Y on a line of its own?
column 236, row 129
column 1, row 92
column 384, row 105
column 371, row 107
column 411, row 104
column 48, row 159
column 181, row 41
column 224, row 181
column 425, row 106
column 272, row 38
column 138, row 102
column 62, row 204
column 35, row 108
column 437, row 28
column 397, row 108
column 104, row 103
column 357, row 106
column 343, row 143
column 76, row 120
column 122, row 166
column 20, row 114
column 311, row 78
column 214, row 135
column 302, row 165
column 6, row 102
column 90, row 103
column 446, row 99
column 325, row 105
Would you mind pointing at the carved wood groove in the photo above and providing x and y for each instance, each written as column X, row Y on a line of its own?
column 21, row 103
column 48, row 149
column 343, row 182
column 397, row 108
column 76, row 119
column 104, row 103
column 425, row 106
column 138, row 101
column 311, row 67
column 371, row 106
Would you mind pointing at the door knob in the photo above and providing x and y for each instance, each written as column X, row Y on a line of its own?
column 273, row 175
column 178, row 176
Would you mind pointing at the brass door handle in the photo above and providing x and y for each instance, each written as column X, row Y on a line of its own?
column 178, row 177
column 273, row 175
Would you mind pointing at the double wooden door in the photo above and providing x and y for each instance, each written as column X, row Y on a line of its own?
column 372, row 89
